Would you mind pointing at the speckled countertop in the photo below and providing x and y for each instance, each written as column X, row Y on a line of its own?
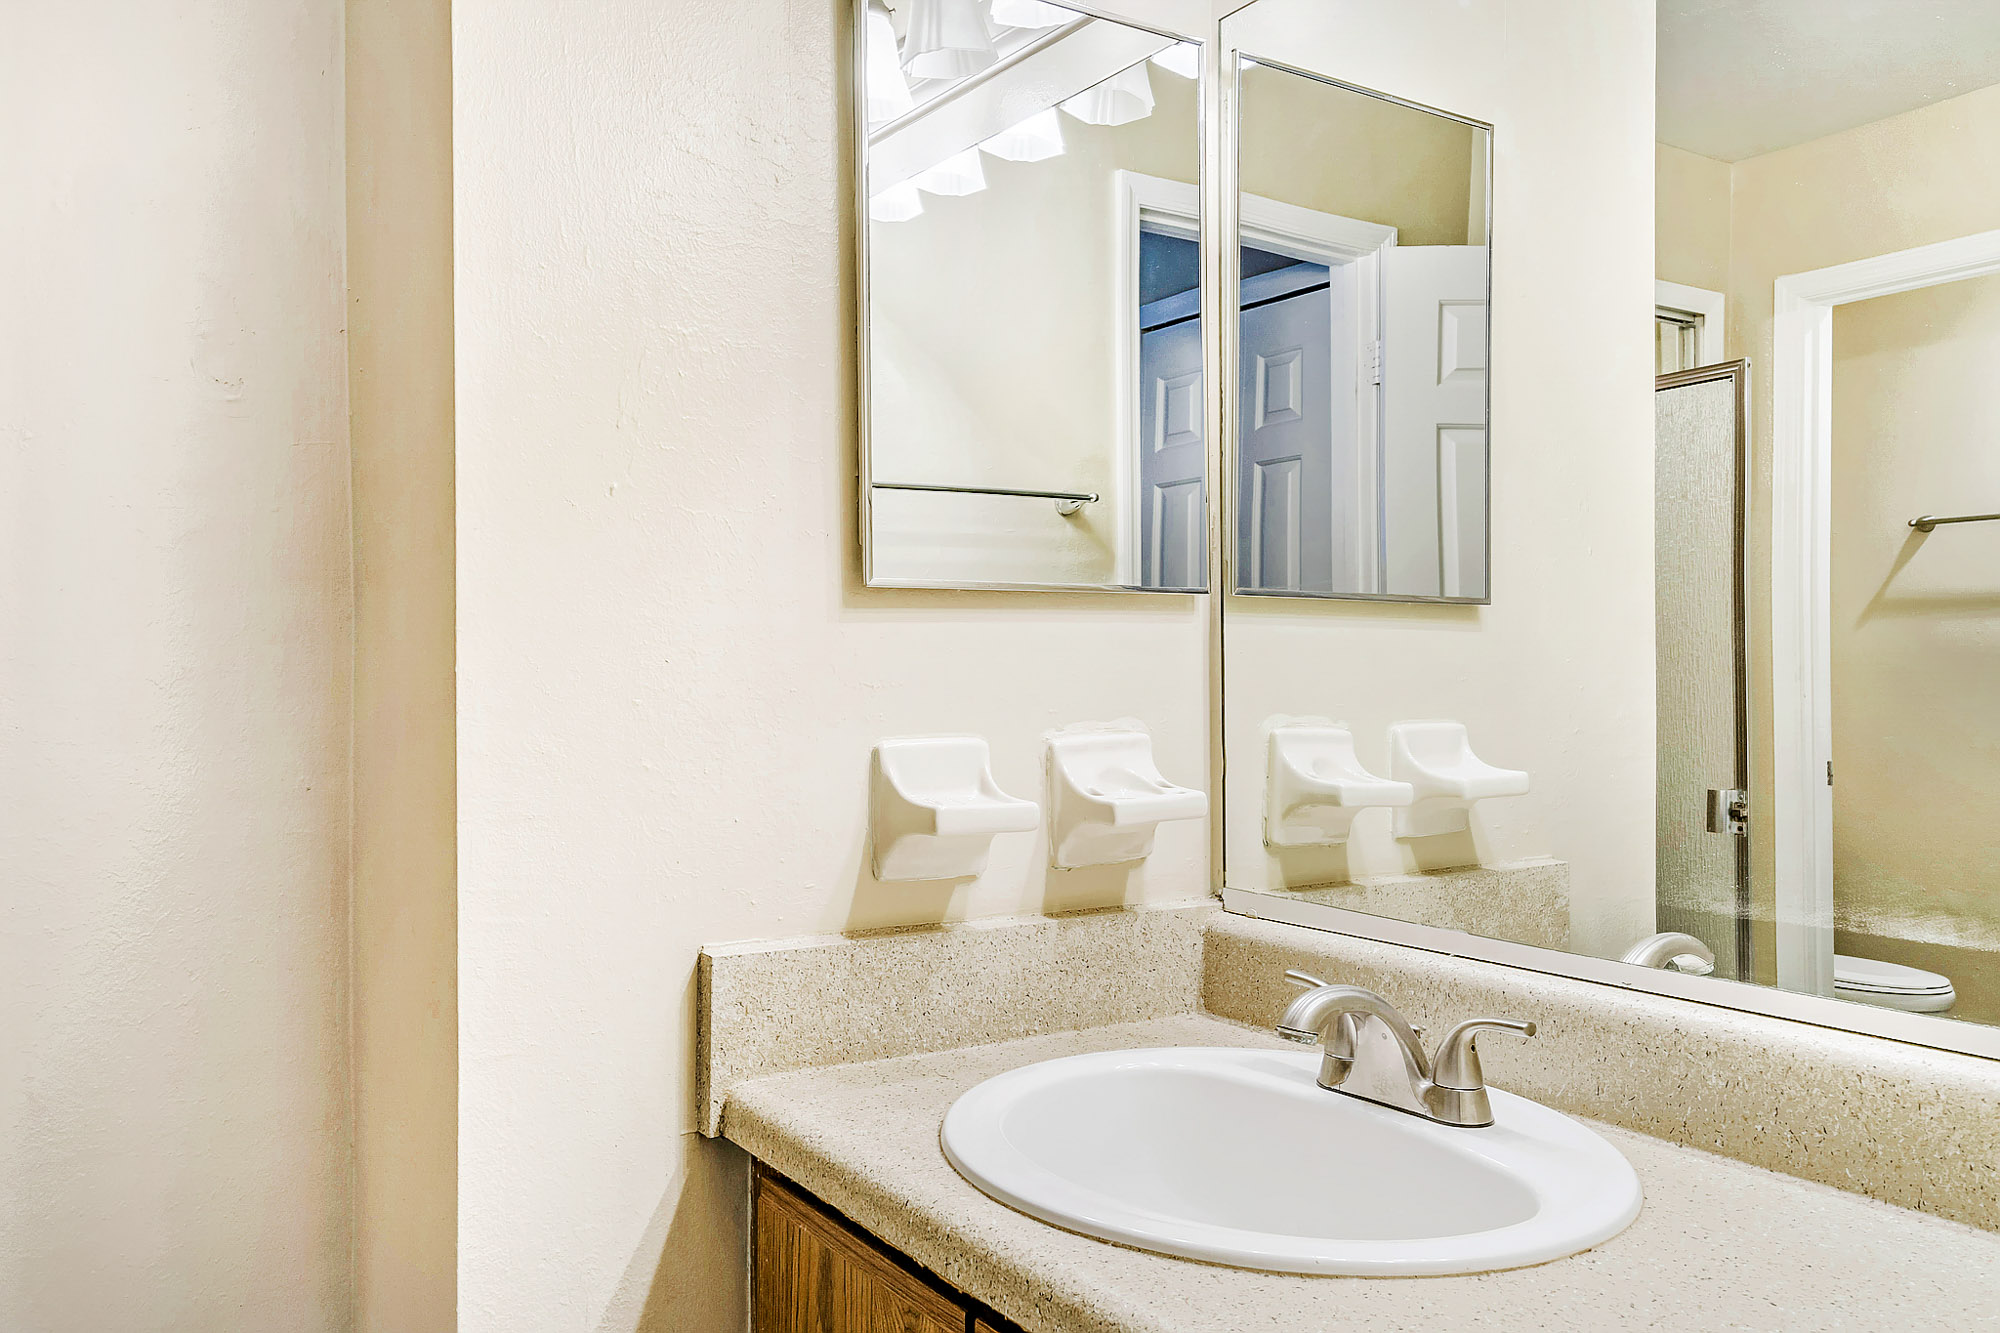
column 1720, row 1244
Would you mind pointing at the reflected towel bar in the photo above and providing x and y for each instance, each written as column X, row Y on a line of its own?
column 1067, row 502
column 1929, row 521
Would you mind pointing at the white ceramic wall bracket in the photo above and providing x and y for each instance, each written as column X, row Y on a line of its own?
column 1436, row 759
column 934, row 808
column 1314, row 786
column 1107, row 798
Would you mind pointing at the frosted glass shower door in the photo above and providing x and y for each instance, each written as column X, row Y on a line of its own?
column 1703, row 876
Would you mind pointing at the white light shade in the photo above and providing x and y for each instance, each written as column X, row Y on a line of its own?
column 958, row 174
column 888, row 91
column 1182, row 58
column 947, row 39
column 1035, row 139
column 899, row 203
column 1121, row 99
column 1030, row 14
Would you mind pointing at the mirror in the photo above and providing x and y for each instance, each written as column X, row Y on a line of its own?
column 1032, row 376
column 1734, row 721
column 1359, row 441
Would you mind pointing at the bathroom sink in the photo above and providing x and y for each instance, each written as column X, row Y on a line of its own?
column 1238, row 1157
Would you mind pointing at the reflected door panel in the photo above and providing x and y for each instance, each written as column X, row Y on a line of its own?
column 1173, row 533
column 1286, row 534
column 1434, row 397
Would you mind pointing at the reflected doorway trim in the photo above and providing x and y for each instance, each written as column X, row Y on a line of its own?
column 1699, row 303
column 1801, row 560
column 1166, row 207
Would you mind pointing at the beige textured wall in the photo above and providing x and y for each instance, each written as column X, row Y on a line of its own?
column 1927, row 175
column 1690, row 219
column 405, row 837
column 174, row 669
column 1342, row 152
column 1916, row 633
column 669, row 678
column 1570, row 633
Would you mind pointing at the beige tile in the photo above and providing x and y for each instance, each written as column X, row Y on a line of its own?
column 1527, row 902
column 1905, row 1124
column 795, row 1004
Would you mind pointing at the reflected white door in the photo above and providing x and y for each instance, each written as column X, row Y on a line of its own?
column 1285, row 467
column 1434, row 403
column 1173, row 527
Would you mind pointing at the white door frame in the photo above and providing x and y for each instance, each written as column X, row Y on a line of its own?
column 1322, row 238
column 1698, row 302
column 1801, row 559
column 1173, row 207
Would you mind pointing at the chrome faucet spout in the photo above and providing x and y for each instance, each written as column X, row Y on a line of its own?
column 1369, row 1050
column 1322, row 1015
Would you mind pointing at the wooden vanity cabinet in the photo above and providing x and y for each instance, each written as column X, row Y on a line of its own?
column 813, row 1271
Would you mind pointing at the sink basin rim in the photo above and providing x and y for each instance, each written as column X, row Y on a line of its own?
column 1588, row 1196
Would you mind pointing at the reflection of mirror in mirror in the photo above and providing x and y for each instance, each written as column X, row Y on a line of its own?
column 1816, row 731
column 1032, row 399
column 1361, row 435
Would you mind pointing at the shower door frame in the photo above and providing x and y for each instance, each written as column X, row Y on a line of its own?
column 1738, row 374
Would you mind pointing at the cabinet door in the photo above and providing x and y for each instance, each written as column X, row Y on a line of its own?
column 816, row 1274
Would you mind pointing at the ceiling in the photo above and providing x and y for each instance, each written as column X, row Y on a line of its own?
column 1744, row 77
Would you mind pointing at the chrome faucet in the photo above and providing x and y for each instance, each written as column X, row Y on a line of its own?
column 1369, row 1050
column 1673, row 951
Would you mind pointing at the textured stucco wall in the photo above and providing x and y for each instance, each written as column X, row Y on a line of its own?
column 669, row 679
column 1691, row 219
column 174, row 669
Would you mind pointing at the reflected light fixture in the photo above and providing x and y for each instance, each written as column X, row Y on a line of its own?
column 1182, row 58
column 899, row 203
column 1121, row 99
column 1030, row 14
column 958, row 174
column 888, row 91
column 947, row 39
column 1035, row 139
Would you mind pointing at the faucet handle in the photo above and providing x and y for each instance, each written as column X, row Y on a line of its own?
column 1303, row 980
column 1456, row 1065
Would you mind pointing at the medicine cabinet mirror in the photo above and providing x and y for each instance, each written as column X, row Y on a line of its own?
column 1033, row 408
column 1359, row 432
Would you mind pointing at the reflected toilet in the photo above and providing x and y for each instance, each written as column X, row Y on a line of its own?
column 1891, row 985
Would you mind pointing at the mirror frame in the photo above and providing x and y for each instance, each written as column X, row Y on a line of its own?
column 857, row 110
column 1232, row 278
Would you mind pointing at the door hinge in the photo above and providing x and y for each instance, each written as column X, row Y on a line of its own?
column 1375, row 362
column 1728, row 811
column 1829, row 772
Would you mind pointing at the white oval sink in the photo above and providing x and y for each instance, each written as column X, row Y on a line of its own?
column 1239, row 1157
